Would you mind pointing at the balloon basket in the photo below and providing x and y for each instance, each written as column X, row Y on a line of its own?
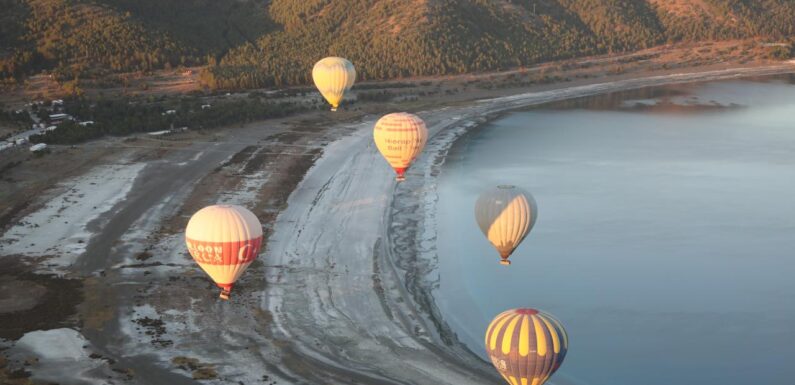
column 505, row 262
column 225, row 295
column 400, row 178
column 333, row 109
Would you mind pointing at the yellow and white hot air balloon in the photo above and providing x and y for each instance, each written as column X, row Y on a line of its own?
column 400, row 137
column 333, row 77
column 224, row 240
column 506, row 214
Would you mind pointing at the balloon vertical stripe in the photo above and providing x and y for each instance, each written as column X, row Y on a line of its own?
column 555, row 336
column 541, row 337
column 507, row 338
column 524, row 338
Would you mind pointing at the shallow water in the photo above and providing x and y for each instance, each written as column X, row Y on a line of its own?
column 665, row 241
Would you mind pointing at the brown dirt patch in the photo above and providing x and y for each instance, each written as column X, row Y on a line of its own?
column 52, row 303
column 11, row 301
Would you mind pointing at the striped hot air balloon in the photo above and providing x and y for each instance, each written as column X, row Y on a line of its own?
column 224, row 240
column 333, row 77
column 400, row 137
column 526, row 346
column 506, row 214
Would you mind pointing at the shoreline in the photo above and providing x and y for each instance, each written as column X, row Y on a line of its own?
column 443, row 140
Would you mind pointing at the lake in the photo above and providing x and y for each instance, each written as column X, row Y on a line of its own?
column 665, row 241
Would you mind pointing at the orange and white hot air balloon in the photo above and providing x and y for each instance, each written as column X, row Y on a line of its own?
column 526, row 346
column 333, row 77
column 400, row 137
column 506, row 214
column 224, row 240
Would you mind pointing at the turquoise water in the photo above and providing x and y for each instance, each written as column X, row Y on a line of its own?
column 665, row 241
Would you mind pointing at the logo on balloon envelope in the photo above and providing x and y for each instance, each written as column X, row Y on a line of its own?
column 224, row 253
column 498, row 363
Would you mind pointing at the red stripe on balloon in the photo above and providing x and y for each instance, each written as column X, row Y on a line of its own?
column 224, row 253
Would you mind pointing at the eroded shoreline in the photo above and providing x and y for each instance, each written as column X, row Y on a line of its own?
column 415, row 200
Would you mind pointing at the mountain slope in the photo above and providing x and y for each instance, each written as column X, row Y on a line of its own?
column 254, row 43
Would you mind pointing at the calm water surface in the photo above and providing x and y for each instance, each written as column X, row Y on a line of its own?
column 665, row 241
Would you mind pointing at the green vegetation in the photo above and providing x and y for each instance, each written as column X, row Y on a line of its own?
column 126, row 116
column 12, row 121
column 256, row 43
column 409, row 38
column 80, row 38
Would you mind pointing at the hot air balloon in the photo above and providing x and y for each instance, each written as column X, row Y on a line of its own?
column 505, row 215
column 334, row 76
column 224, row 240
column 526, row 346
column 400, row 137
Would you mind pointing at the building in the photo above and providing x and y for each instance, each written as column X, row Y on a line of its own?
column 38, row 147
column 59, row 118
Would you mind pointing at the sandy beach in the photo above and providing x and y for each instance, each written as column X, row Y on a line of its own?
column 342, row 294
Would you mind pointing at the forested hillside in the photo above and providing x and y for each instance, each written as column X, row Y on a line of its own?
column 255, row 43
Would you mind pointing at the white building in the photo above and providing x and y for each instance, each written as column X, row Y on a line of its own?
column 38, row 147
column 58, row 118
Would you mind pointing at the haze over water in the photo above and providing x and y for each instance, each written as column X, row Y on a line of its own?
column 665, row 241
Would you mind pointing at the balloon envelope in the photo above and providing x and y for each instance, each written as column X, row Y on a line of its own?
column 224, row 240
column 505, row 214
column 333, row 76
column 400, row 137
column 526, row 346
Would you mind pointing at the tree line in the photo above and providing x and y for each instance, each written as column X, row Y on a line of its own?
column 126, row 116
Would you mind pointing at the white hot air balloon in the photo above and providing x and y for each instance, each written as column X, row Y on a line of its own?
column 400, row 137
column 224, row 240
column 333, row 77
column 506, row 214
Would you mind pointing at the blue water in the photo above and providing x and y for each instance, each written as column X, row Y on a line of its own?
column 665, row 241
